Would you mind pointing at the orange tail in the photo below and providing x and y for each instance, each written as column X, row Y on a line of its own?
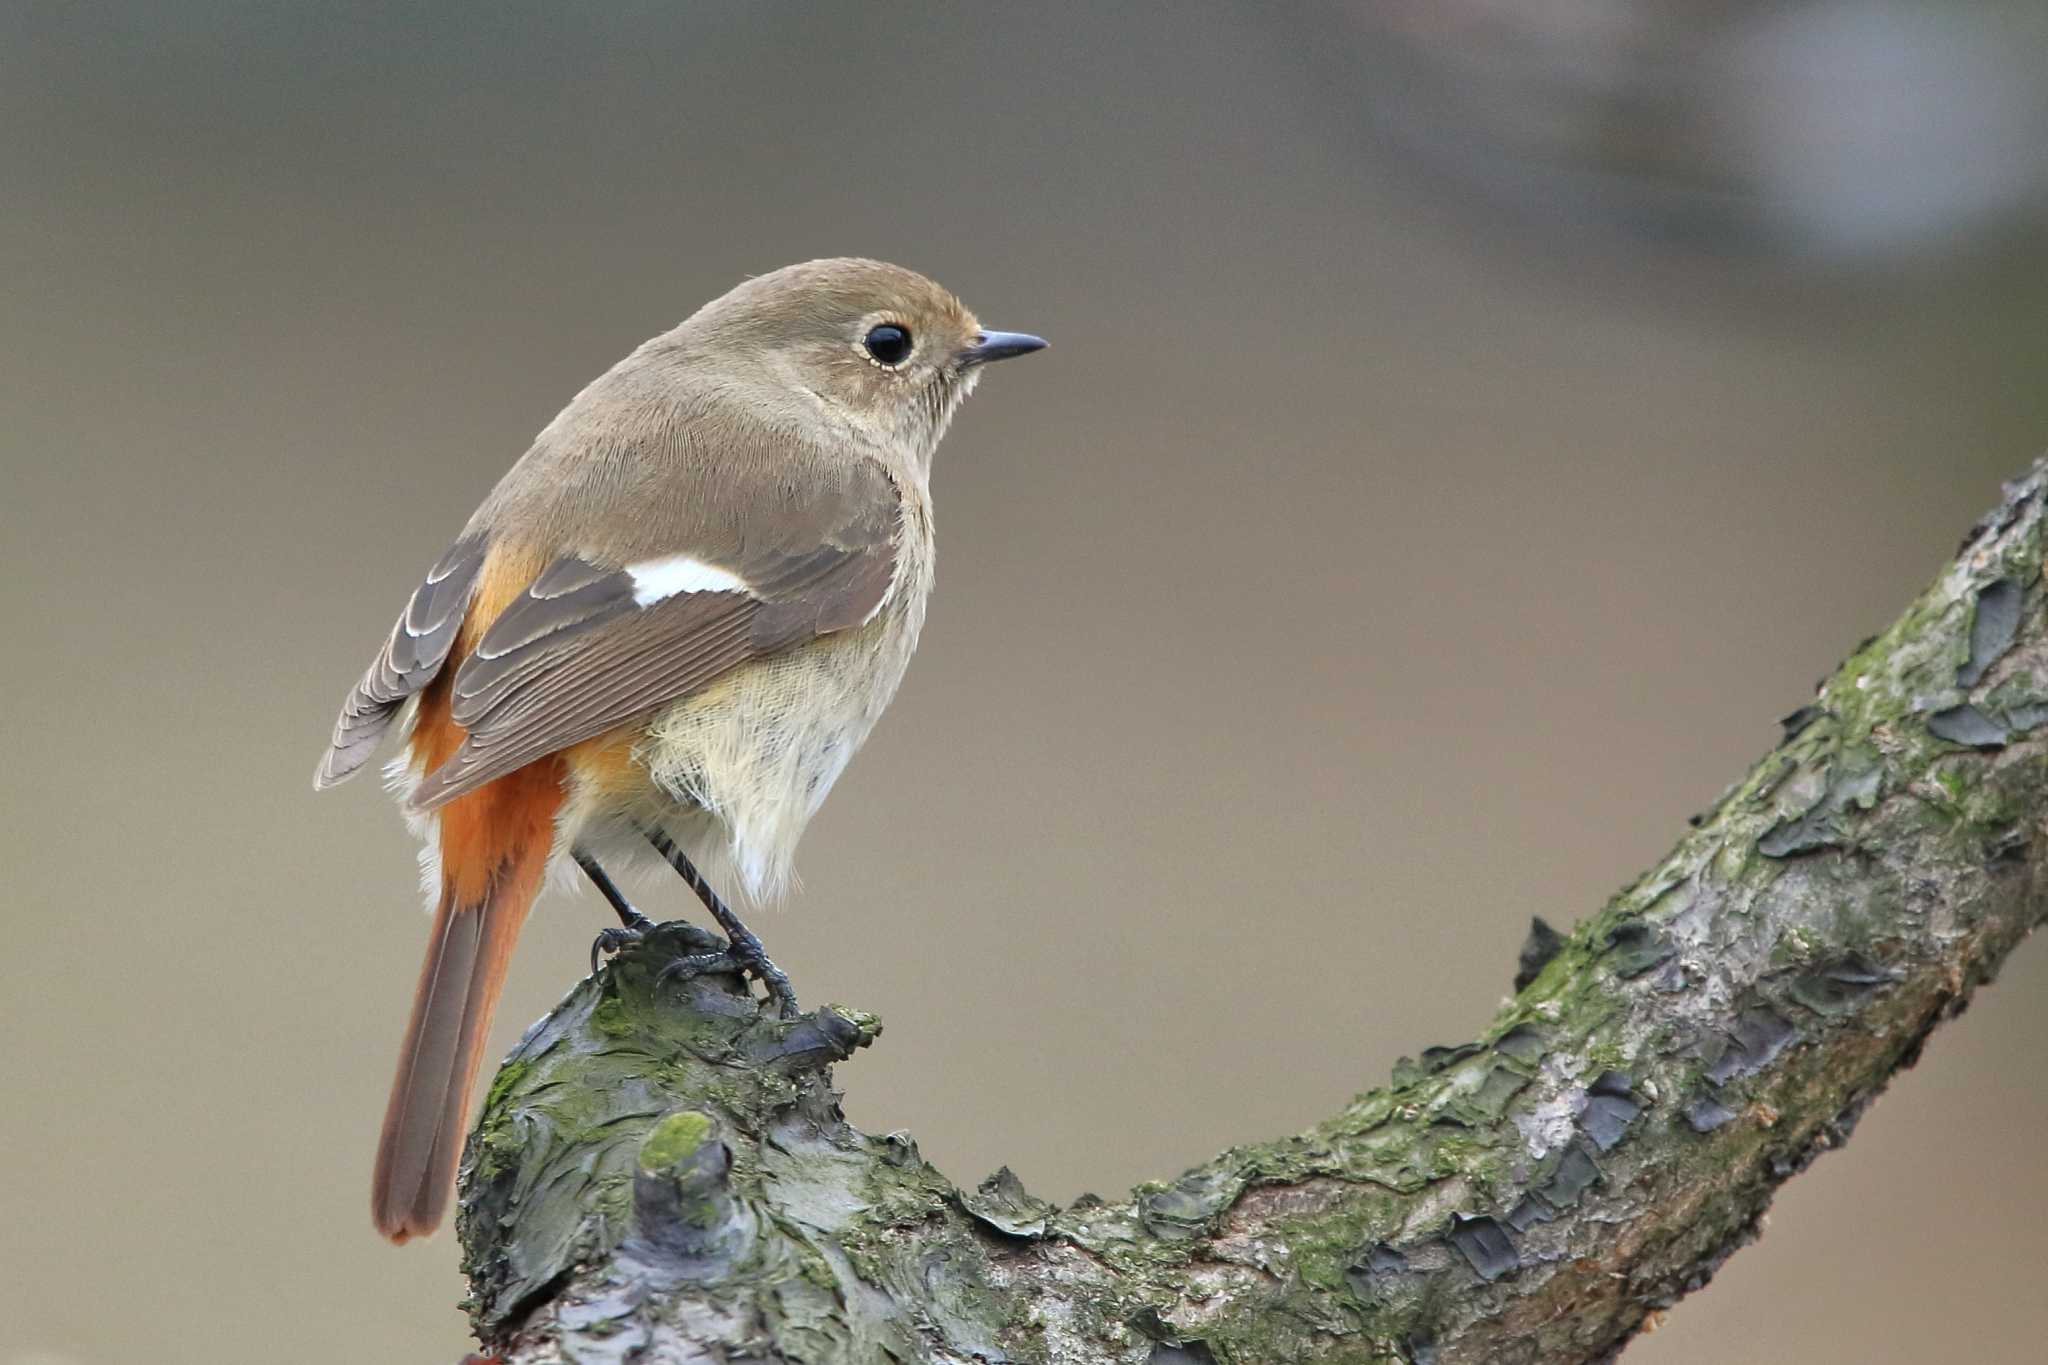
column 494, row 849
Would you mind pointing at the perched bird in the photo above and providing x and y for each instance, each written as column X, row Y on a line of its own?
column 662, row 635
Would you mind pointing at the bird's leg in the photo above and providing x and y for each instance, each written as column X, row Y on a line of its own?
column 746, row 946
column 632, row 924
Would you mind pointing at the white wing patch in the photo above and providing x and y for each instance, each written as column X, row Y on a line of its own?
column 657, row 579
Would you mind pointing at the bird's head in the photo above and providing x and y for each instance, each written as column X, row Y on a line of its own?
column 883, row 350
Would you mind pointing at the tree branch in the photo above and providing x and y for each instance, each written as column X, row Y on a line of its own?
column 672, row 1180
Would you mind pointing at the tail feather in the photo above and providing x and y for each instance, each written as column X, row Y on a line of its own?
column 494, row 850
column 451, row 1017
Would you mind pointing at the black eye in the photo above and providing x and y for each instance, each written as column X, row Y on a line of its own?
column 888, row 343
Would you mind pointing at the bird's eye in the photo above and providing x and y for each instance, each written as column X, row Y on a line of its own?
column 888, row 344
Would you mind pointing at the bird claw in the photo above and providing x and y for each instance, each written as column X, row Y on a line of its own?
column 743, row 957
column 617, row 940
column 772, row 978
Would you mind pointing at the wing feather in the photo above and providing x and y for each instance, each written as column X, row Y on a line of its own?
column 411, row 657
column 577, row 655
column 588, row 646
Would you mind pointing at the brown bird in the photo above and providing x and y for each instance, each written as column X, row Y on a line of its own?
column 663, row 634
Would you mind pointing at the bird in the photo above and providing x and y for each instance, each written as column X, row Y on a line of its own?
column 660, row 638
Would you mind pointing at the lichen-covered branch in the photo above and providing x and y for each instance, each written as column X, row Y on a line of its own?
column 665, row 1175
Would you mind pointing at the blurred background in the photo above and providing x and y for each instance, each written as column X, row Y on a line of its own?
column 1469, row 426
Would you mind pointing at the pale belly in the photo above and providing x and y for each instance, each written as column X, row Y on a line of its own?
column 735, row 772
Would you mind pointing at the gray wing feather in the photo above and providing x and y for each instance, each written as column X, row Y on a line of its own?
column 576, row 656
column 418, row 646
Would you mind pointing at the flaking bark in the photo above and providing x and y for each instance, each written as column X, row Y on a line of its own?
column 671, row 1179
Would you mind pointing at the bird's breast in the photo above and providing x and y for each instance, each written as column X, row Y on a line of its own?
column 758, row 749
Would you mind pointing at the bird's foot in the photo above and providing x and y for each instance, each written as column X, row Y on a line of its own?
column 618, row 939
column 743, row 955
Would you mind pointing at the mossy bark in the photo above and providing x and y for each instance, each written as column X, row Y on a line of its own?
column 670, row 1179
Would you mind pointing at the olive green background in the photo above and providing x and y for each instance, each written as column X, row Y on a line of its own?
column 1360, row 573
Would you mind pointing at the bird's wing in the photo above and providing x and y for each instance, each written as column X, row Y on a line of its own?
column 417, row 648
column 588, row 647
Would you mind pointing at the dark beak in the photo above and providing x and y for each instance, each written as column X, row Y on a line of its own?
column 999, row 346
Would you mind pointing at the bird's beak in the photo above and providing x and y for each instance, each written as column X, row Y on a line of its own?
column 999, row 346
